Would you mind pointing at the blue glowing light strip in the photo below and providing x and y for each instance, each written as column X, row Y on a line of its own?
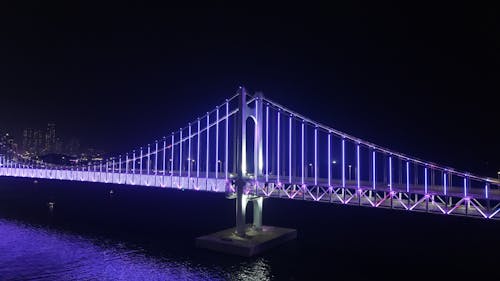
column 208, row 142
column 329, row 160
column 290, row 149
column 133, row 157
column 357, row 164
column 302, row 143
column 256, row 138
column 390, row 173
column 149, row 159
column 343, row 162
column 126, row 167
column 180, row 159
column 172, row 162
column 465, row 187
column 198, row 137
column 425, row 180
column 227, row 139
column 278, row 148
column 217, row 143
column 133, row 167
column 189, row 156
column 164, row 158
column 267, row 143
column 140, row 166
column 156, row 159
column 316, row 156
column 373, row 170
column 445, row 183
column 407, row 176
column 486, row 187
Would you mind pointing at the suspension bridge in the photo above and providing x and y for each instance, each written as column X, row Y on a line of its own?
column 251, row 148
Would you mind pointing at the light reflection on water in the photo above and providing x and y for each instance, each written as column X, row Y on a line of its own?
column 29, row 252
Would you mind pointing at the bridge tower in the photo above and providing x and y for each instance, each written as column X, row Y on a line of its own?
column 244, row 178
column 243, row 240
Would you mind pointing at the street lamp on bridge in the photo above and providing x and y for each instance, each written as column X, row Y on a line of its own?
column 334, row 162
column 219, row 166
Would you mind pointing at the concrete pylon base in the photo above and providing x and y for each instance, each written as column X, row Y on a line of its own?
column 254, row 242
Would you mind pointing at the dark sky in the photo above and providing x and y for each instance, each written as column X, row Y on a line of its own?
column 422, row 80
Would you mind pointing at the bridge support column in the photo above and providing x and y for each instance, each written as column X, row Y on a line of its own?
column 257, row 213
column 241, row 205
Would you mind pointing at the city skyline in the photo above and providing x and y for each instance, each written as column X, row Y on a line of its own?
column 36, row 141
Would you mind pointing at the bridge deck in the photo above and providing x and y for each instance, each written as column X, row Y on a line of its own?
column 475, row 204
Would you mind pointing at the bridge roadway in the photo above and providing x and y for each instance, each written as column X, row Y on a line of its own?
column 477, row 203
column 174, row 181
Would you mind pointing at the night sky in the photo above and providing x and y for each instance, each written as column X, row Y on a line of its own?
column 422, row 80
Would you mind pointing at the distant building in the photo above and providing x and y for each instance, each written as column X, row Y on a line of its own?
column 50, row 138
column 58, row 147
column 28, row 140
column 38, row 141
column 46, row 144
column 73, row 146
column 9, row 141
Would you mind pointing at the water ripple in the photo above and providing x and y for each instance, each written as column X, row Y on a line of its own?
column 29, row 252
